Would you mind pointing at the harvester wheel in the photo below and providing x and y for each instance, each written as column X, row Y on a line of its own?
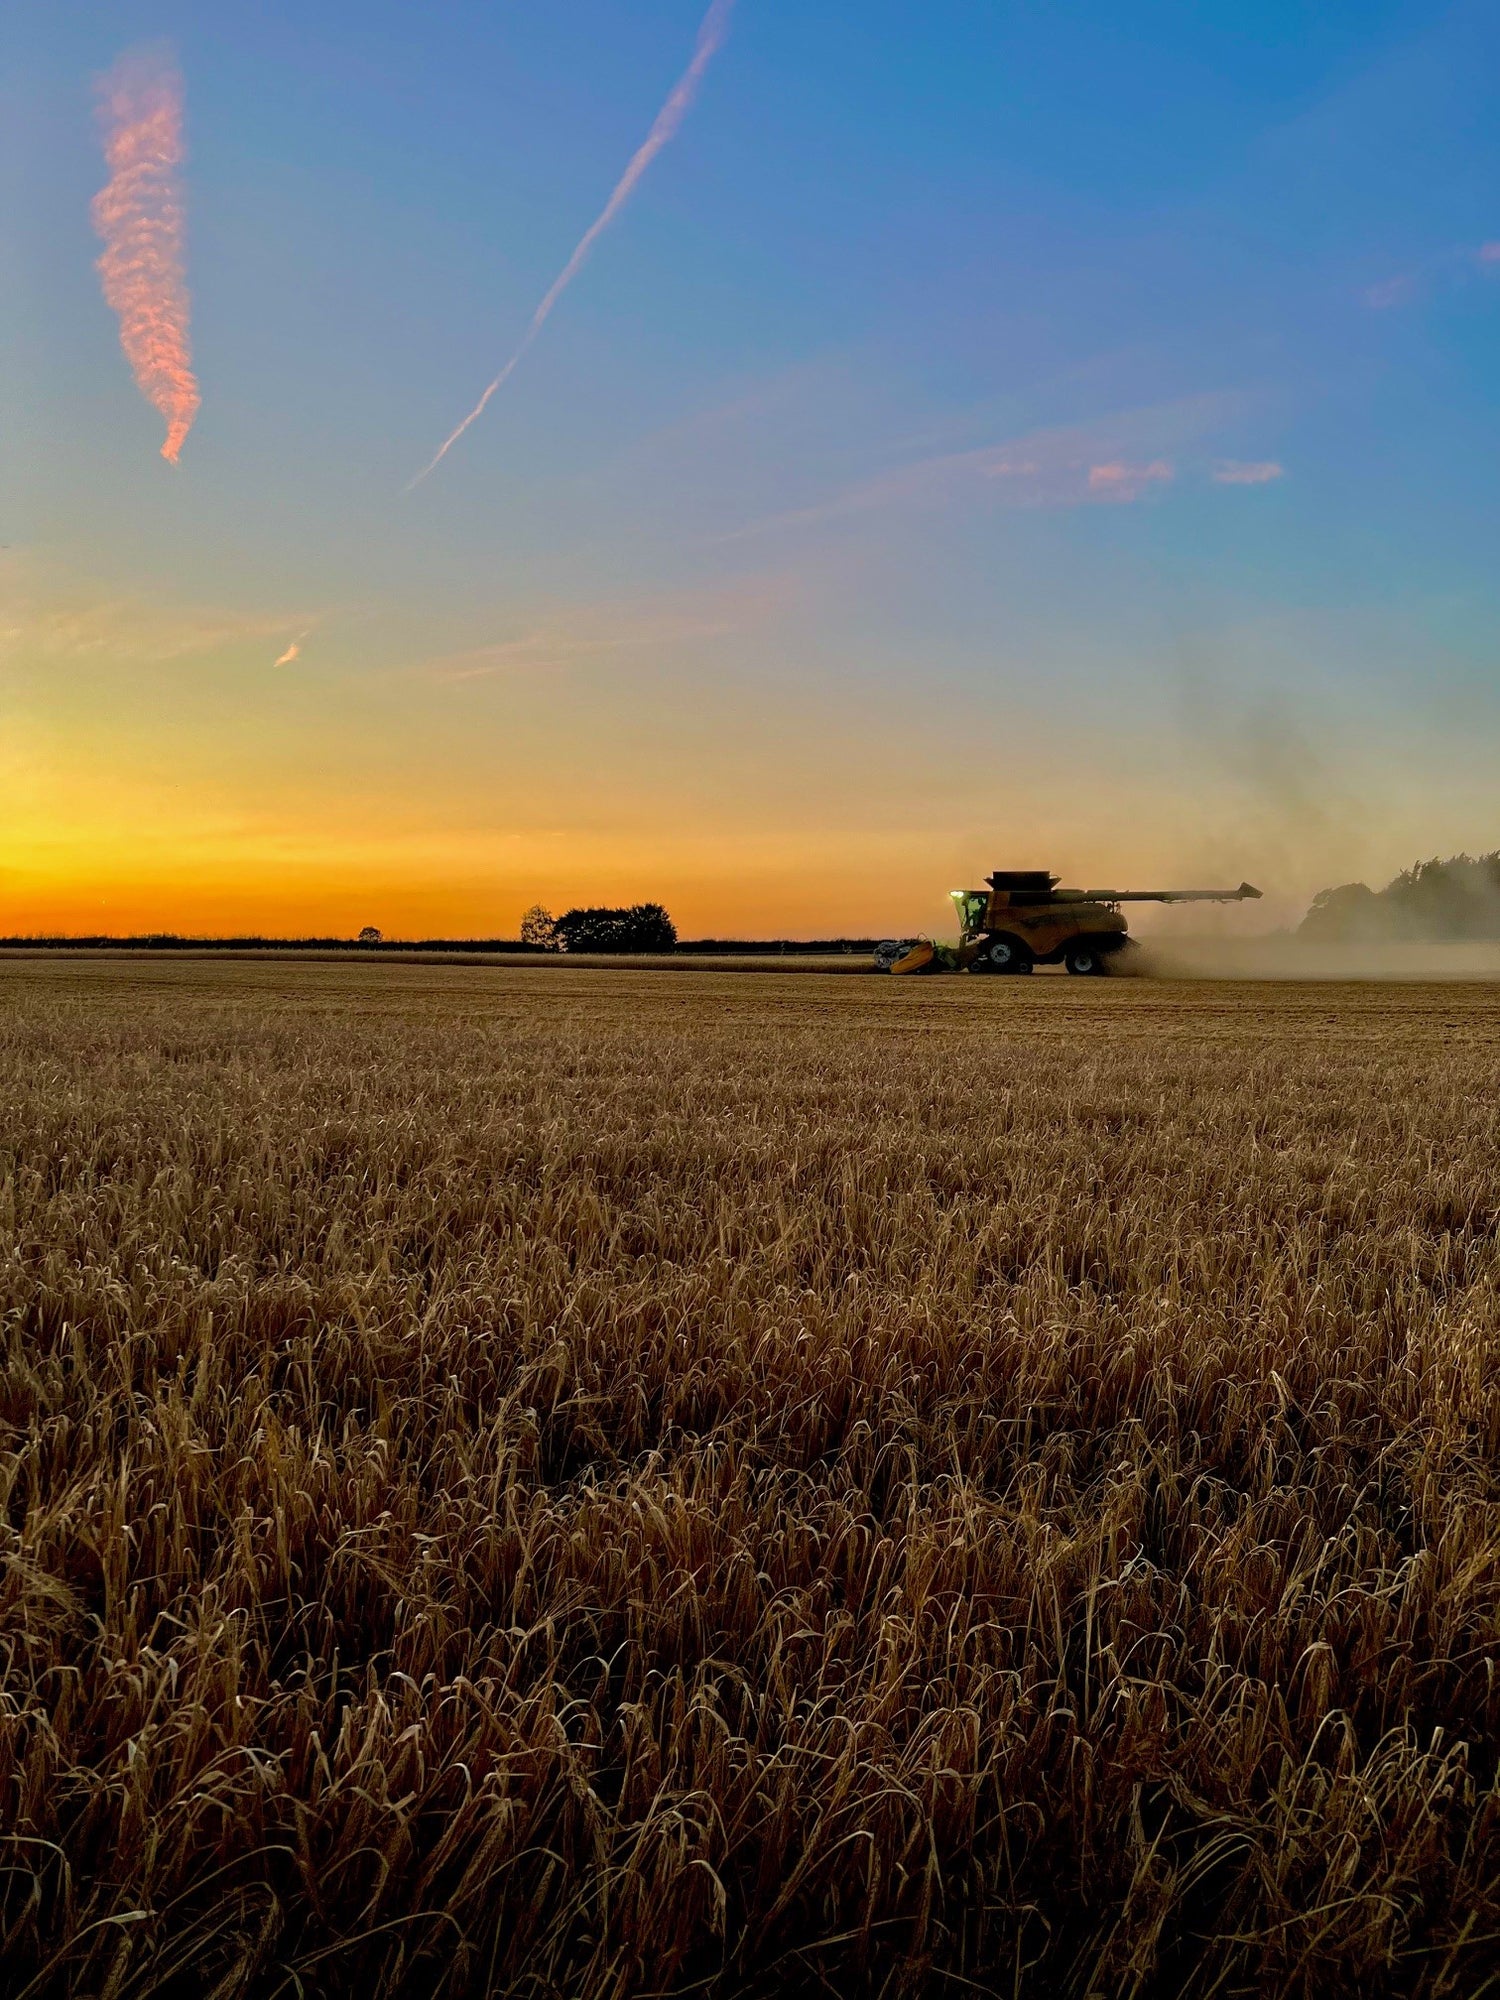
column 1004, row 954
column 1084, row 958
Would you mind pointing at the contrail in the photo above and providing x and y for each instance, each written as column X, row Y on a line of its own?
column 668, row 121
column 138, row 213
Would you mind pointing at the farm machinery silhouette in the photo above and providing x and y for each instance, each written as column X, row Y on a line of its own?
column 1022, row 919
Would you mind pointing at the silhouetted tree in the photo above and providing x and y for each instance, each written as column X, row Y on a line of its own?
column 539, row 927
column 369, row 935
column 1350, row 914
column 643, row 927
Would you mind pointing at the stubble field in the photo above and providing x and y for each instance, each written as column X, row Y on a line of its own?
column 522, row 1480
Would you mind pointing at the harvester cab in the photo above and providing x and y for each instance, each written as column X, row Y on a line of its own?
column 1022, row 919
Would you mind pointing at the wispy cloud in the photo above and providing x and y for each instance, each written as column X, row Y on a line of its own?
column 53, row 619
column 1122, row 481
column 1390, row 292
column 1113, row 460
column 139, row 216
column 293, row 651
column 669, row 119
column 1452, row 266
column 565, row 636
column 1247, row 471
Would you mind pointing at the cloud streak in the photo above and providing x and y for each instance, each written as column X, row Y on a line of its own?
column 1397, row 291
column 711, row 33
column 1452, row 265
column 1247, row 472
column 138, row 215
column 1122, row 481
column 621, row 630
column 121, row 632
column 1110, row 462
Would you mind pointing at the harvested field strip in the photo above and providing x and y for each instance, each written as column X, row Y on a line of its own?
column 521, row 1483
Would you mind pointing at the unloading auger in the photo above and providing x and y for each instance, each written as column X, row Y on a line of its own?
column 1022, row 919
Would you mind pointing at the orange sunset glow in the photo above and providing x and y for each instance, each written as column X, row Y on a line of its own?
column 814, row 548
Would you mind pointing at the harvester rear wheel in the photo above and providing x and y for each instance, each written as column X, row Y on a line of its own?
column 1084, row 958
column 1004, row 954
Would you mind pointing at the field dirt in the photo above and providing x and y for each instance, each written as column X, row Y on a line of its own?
column 530, row 1484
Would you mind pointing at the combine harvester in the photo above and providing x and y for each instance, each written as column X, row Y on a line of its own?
column 1023, row 920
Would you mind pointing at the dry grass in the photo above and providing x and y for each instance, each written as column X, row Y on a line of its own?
column 524, row 1482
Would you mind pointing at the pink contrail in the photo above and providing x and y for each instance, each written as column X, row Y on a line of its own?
column 668, row 122
column 139, row 216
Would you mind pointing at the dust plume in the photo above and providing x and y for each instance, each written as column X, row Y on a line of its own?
column 139, row 216
column 1436, row 920
column 1285, row 956
column 669, row 119
column 1282, row 791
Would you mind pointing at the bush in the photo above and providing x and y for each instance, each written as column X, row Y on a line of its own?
column 643, row 927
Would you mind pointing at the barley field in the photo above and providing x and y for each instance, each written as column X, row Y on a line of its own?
column 590, row 1485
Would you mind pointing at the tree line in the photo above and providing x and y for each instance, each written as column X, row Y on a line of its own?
column 1456, row 898
column 640, row 927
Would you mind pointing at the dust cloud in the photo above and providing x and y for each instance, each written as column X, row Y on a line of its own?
column 1283, row 956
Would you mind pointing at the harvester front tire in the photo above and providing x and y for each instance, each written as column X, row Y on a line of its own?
column 1085, row 960
column 1004, row 954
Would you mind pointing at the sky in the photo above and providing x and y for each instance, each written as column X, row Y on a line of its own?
column 980, row 435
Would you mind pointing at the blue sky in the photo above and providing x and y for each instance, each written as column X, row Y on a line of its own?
column 1053, row 434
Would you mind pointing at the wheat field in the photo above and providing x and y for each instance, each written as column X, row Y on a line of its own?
column 529, row 1481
